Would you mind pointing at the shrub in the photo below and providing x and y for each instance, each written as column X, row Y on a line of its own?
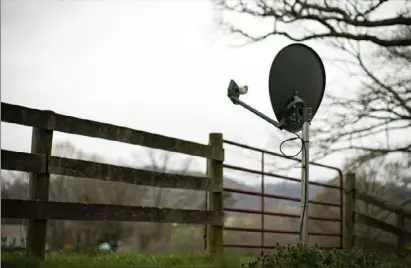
column 301, row 256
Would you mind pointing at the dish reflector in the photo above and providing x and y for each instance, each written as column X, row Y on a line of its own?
column 296, row 70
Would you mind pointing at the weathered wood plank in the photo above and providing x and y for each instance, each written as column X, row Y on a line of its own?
column 367, row 220
column 401, row 239
column 52, row 121
column 350, row 193
column 215, row 237
column 30, row 209
column 39, row 184
column 384, row 205
column 20, row 161
column 106, row 172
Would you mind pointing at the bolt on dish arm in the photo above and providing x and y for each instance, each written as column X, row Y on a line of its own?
column 234, row 92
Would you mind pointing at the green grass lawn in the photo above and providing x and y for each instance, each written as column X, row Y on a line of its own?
column 118, row 260
column 296, row 256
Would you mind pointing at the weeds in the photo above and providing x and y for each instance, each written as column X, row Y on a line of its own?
column 300, row 256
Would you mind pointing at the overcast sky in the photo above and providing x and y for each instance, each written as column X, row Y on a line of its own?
column 158, row 66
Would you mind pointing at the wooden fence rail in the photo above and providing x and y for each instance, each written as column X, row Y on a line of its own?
column 352, row 217
column 47, row 210
column 27, row 162
column 41, row 164
column 48, row 120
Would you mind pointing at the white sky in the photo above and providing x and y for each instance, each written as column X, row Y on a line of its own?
column 157, row 66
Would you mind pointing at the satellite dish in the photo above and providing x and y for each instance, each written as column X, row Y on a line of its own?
column 296, row 87
column 296, row 71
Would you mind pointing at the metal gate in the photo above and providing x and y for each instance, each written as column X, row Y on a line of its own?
column 264, row 195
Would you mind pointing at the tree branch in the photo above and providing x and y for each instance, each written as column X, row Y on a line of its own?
column 328, row 16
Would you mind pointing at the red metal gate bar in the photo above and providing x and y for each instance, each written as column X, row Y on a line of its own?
column 280, row 176
column 277, row 154
column 247, row 246
column 275, row 196
column 277, row 231
column 255, row 230
column 280, row 214
column 269, row 247
column 340, row 175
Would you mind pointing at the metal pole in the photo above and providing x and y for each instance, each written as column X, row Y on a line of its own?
column 305, row 177
column 262, row 201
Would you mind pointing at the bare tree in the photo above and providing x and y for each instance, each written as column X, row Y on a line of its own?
column 69, row 189
column 160, row 233
column 375, row 51
column 136, row 236
column 14, row 186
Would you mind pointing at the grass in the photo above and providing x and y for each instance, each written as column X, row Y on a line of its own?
column 118, row 260
column 296, row 256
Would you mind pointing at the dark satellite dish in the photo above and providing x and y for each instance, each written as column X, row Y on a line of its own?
column 297, row 70
column 296, row 86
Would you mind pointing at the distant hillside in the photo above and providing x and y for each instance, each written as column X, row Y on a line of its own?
column 285, row 188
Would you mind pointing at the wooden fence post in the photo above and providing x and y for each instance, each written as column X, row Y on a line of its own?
column 215, row 171
column 41, row 143
column 350, row 183
column 401, row 236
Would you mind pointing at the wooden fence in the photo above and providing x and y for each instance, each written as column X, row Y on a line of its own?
column 41, row 164
column 353, row 217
